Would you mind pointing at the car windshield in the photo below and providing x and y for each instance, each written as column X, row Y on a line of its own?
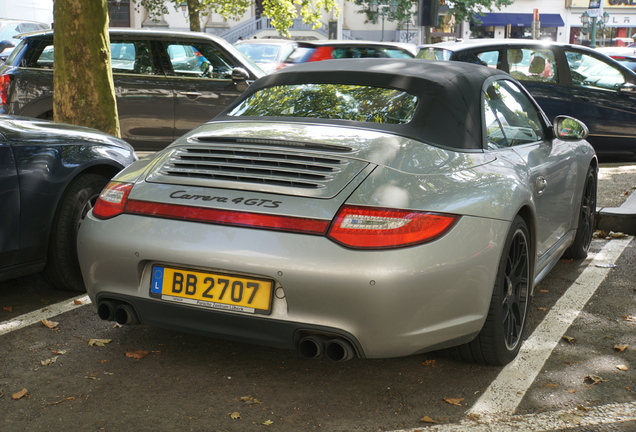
column 331, row 101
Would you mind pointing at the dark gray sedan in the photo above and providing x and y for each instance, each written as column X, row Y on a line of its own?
column 166, row 83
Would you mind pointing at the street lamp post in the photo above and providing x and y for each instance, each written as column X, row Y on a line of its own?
column 382, row 10
column 592, row 25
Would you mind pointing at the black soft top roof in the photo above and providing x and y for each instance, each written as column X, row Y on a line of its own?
column 449, row 109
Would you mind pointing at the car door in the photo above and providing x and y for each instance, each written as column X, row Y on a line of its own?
column 145, row 100
column 200, row 74
column 538, row 68
column 599, row 102
column 518, row 133
column 9, row 207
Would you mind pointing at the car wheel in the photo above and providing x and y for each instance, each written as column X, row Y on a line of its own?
column 62, row 269
column 587, row 219
column 501, row 337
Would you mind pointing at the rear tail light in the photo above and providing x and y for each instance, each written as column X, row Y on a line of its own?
column 4, row 89
column 112, row 201
column 377, row 228
column 354, row 227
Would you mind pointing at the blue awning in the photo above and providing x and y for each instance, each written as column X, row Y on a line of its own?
column 519, row 19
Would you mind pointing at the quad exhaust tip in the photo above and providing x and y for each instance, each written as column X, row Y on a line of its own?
column 334, row 348
column 121, row 313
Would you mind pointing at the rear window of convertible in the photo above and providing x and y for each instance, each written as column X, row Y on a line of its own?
column 331, row 101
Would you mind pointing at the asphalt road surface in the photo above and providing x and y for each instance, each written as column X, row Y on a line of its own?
column 576, row 372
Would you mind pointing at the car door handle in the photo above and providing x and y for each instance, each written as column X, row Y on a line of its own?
column 191, row 93
column 583, row 98
column 540, row 183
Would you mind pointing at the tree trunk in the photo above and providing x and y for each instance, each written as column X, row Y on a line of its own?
column 83, row 90
column 194, row 15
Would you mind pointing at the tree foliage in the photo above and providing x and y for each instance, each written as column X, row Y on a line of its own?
column 83, row 88
column 405, row 10
column 281, row 12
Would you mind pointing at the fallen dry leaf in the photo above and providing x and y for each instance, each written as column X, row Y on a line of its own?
column 594, row 379
column 267, row 422
column 8, row 308
column 58, row 351
column 60, row 401
column 622, row 367
column 137, row 354
column 454, row 401
column 235, row 416
column 48, row 361
column 49, row 324
column 427, row 419
column 430, row 363
column 78, row 302
column 249, row 400
column 551, row 385
column 99, row 342
column 544, row 291
column 572, row 391
column 570, row 339
column 630, row 318
column 620, row 347
column 19, row 395
column 542, row 309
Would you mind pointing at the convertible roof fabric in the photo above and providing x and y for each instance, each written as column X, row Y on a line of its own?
column 449, row 93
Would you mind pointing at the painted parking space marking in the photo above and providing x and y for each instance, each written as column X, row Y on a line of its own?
column 505, row 393
column 496, row 406
column 43, row 313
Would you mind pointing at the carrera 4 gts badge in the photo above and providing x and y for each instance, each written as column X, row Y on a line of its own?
column 256, row 202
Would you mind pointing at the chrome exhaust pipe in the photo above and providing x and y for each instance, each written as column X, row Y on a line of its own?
column 125, row 315
column 312, row 347
column 106, row 310
column 339, row 350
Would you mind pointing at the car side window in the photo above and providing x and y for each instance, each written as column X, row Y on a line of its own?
column 133, row 57
column 589, row 71
column 511, row 118
column 198, row 60
column 529, row 64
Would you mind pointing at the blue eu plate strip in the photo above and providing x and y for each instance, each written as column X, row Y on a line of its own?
column 157, row 280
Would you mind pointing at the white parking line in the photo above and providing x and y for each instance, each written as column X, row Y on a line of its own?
column 44, row 313
column 496, row 406
column 505, row 393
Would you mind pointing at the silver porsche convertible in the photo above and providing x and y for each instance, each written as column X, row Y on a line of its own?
column 367, row 207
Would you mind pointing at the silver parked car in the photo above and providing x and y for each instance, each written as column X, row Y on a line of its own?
column 368, row 207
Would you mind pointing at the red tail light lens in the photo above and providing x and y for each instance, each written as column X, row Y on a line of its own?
column 112, row 200
column 4, row 89
column 374, row 228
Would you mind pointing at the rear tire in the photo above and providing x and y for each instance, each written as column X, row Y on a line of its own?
column 587, row 219
column 501, row 337
column 62, row 269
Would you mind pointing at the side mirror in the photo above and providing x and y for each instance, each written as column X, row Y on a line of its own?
column 239, row 78
column 569, row 129
column 627, row 88
column 6, row 44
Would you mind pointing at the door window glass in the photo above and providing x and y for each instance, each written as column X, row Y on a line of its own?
column 133, row 57
column 529, row 64
column 589, row 71
column 511, row 118
column 199, row 60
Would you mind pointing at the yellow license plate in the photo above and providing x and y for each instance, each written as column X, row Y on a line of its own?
column 213, row 290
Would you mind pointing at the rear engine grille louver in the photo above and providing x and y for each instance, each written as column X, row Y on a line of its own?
column 255, row 166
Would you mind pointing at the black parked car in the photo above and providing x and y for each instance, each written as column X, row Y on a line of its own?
column 166, row 83
column 564, row 79
column 50, row 176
